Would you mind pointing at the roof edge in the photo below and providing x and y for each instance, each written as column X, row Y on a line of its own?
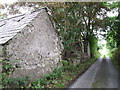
column 22, row 14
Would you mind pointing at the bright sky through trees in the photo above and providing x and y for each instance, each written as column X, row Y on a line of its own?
column 7, row 1
column 104, row 50
column 112, row 13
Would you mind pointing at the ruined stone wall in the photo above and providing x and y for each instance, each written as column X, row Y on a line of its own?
column 1, row 52
column 1, row 57
column 37, row 48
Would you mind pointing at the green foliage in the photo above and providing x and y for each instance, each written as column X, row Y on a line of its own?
column 68, row 66
column 7, row 69
column 8, row 82
column 18, row 81
column 104, row 57
column 113, row 5
column 4, row 79
column 7, row 66
column 111, row 39
column 113, row 36
column 74, row 22
column 60, row 85
column 57, row 73
column 56, row 79
column 116, row 57
column 93, row 46
column 65, row 62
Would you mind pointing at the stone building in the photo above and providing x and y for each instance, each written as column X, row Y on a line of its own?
column 31, row 40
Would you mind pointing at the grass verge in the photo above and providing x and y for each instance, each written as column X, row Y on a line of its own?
column 115, row 56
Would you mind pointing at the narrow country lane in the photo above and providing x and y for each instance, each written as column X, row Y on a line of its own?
column 102, row 74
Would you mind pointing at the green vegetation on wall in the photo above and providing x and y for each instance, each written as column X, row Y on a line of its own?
column 113, row 35
column 94, row 46
column 56, row 79
column 115, row 56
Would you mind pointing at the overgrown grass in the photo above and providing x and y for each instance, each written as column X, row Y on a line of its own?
column 59, row 78
column 115, row 56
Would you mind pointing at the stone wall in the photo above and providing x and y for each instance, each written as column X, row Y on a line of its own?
column 1, row 51
column 88, row 49
column 37, row 48
column 1, row 57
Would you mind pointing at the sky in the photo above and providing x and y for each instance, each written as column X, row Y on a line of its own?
column 7, row 1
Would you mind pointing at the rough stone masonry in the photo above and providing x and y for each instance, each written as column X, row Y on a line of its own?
column 31, row 40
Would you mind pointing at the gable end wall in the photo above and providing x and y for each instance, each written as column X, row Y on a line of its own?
column 37, row 48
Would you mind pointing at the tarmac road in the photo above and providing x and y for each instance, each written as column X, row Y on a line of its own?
column 102, row 74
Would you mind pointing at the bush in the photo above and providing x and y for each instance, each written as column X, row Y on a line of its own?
column 68, row 66
column 116, row 57
column 56, row 79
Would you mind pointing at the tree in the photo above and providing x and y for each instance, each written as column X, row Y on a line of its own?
column 75, row 22
column 112, row 25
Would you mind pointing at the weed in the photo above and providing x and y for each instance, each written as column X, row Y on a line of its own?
column 57, row 79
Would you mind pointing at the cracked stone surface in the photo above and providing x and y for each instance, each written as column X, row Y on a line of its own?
column 33, row 42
